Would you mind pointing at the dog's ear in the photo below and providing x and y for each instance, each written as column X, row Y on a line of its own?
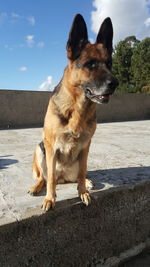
column 105, row 34
column 78, row 37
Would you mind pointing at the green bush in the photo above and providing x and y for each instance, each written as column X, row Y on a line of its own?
column 146, row 89
column 131, row 65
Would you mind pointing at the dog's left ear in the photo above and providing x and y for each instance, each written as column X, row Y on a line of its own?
column 105, row 34
column 78, row 37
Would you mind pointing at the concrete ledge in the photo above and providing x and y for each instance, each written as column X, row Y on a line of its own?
column 116, row 226
column 28, row 108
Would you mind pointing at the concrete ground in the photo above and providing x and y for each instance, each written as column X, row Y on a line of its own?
column 119, row 155
column 115, row 227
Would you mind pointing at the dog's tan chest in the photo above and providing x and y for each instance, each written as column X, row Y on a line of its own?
column 67, row 147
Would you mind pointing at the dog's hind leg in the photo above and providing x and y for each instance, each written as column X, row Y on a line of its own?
column 39, row 171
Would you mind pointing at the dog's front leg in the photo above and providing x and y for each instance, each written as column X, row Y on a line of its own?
column 49, row 201
column 83, row 193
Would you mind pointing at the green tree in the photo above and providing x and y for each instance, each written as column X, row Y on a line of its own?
column 122, row 63
column 140, row 66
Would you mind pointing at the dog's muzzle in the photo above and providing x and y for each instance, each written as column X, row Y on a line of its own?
column 101, row 94
column 97, row 98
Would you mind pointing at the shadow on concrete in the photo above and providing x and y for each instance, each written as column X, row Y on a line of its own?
column 141, row 260
column 118, row 177
column 114, row 177
column 5, row 161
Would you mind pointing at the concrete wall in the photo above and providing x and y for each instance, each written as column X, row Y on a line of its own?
column 115, row 227
column 22, row 108
column 27, row 108
column 125, row 107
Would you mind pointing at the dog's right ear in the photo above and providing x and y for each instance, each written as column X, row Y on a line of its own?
column 78, row 37
column 105, row 34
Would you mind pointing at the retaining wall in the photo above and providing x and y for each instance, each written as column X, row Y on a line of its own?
column 27, row 108
column 112, row 229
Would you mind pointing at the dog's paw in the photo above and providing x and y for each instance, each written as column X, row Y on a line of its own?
column 32, row 191
column 86, row 199
column 89, row 184
column 48, row 204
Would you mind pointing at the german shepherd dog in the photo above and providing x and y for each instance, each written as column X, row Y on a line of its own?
column 70, row 120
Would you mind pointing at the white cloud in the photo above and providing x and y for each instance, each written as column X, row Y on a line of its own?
column 30, row 40
column 92, row 41
column 23, row 68
column 9, row 47
column 40, row 44
column 15, row 16
column 128, row 17
column 13, row 46
column 47, row 84
column 31, row 20
column 147, row 22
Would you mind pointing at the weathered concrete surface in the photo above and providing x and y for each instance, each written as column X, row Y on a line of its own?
column 142, row 260
column 22, row 108
column 114, row 227
column 27, row 108
column 125, row 107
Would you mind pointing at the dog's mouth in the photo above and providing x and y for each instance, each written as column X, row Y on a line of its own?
column 97, row 98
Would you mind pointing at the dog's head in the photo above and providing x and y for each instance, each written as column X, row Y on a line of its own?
column 90, row 64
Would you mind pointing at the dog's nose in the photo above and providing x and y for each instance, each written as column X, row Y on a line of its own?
column 113, row 83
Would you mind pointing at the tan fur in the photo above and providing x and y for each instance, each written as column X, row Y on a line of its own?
column 72, row 140
column 69, row 125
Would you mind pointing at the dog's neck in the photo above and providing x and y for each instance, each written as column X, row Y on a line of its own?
column 73, row 106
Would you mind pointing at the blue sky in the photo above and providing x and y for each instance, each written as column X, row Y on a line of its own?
column 34, row 35
column 50, row 27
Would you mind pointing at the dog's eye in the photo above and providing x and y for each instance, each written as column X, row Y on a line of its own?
column 91, row 64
